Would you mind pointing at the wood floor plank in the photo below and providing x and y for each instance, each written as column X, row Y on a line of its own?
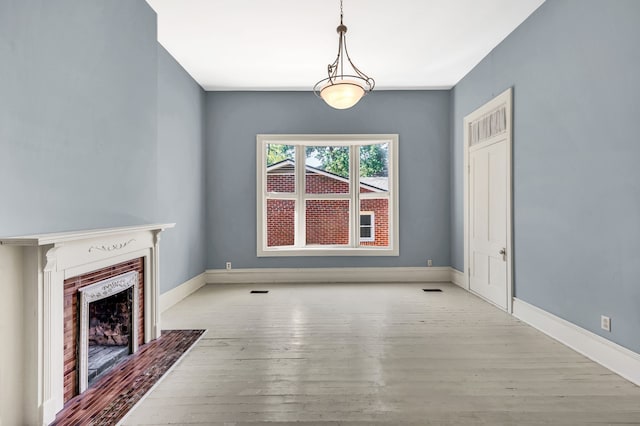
column 374, row 354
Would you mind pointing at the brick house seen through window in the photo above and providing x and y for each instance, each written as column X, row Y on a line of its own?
column 327, row 221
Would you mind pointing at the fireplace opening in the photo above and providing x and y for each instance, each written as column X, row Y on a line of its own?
column 108, row 326
column 109, row 336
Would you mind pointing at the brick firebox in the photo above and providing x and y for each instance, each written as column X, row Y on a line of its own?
column 71, row 315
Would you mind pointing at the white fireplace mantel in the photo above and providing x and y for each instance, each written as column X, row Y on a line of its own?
column 49, row 259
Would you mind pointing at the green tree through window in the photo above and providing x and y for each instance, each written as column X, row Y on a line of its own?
column 335, row 159
column 277, row 153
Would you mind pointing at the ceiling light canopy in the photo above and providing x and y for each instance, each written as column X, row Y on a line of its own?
column 340, row 90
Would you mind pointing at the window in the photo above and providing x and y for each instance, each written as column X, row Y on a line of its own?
column 327, row 195
column 367, row 233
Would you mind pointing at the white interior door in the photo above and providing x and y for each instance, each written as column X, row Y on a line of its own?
column 488, row 212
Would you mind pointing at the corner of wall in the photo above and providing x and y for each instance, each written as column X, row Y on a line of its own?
column 176, row 294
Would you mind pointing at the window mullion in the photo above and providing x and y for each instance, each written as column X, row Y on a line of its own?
column 374, row 195
column 280, row 196
column 328, row 196
column 354, row 189
column 262, row 190
column 300, row 218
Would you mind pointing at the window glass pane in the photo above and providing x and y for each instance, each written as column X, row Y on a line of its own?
column 376, row 232
column 374, row 168
column 327, row 222
column 327, row 170
column 280, row 161
column 366, row 227
column 281, row 223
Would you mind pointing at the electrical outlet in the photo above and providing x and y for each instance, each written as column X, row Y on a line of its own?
column 228, row 266
column 429, row 262
column 605, row 323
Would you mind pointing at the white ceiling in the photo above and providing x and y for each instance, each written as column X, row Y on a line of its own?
column 287, row 44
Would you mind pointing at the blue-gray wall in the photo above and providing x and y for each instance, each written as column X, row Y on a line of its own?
column 99, row 127
column 574, row 67
column 77, row 115
column 181, row 172
column 420, row 118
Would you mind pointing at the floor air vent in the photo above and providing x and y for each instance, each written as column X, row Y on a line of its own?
column 259, row 291
column 430, row 290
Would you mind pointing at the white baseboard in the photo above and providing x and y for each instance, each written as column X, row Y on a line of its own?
column 458, row 278
column 616, row 358
column 328, row 275
column 176, row 294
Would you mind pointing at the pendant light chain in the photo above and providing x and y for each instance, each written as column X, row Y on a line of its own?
column 342, row 33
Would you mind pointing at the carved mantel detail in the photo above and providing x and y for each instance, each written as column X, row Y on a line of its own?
column 112, row 247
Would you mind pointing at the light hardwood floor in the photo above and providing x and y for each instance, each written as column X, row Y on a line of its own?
column 365, row 354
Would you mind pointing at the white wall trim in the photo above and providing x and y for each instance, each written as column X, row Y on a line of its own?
column 176, row 294
column 458, row 278
column 616, row 358
column 328, row 275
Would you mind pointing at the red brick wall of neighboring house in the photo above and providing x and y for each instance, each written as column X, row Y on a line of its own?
column 320, row 184
column 280, row 223
column 327, row 221
column 281, row 183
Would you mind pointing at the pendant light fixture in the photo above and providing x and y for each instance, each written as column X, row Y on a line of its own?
column 340, row 90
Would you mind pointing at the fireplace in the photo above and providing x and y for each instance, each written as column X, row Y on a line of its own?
column 69, row 284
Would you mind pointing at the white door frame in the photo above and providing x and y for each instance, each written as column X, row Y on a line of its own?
column 505, row 98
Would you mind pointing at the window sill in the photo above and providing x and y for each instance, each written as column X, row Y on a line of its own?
column 329, row 251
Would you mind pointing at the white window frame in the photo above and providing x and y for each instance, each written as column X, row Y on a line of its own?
column 372, row 238
column 300, row 249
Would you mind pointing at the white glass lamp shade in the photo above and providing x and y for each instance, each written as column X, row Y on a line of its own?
column 342, row 94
